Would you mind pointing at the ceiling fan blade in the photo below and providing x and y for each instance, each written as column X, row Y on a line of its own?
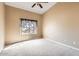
column 33, row 5
column 43, row 2
column 40, row 5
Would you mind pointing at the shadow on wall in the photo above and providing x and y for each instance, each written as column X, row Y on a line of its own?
column 61, row 23
column 13, row 16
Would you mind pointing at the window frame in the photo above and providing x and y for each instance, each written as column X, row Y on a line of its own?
column 29, row 29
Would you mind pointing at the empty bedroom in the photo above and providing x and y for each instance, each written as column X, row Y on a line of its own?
column 39, row 28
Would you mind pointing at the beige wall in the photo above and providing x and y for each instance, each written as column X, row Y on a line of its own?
column 2, row 26
column 13, row 16
column 61, row 23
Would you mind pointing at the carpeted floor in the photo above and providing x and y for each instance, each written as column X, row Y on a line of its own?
column 39, row 47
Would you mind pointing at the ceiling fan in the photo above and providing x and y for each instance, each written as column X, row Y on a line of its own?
column 38, row 4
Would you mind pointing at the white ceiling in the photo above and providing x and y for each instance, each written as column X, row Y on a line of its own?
column 28, row 6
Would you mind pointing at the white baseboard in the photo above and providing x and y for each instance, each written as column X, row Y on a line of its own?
column 60, row 43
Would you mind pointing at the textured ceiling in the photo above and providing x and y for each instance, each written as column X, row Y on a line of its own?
column 27, row 6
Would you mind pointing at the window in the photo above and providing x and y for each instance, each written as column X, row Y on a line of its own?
column 28, row 26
